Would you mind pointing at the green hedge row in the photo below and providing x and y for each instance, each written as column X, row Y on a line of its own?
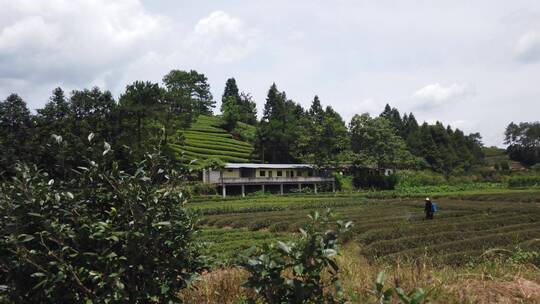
column 206, row 134
column 524, row 181
column 386, row 247
column 191, row 156
column 204, row 151
column 217, row 146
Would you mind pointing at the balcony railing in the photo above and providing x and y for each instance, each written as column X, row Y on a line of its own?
column 272, row 180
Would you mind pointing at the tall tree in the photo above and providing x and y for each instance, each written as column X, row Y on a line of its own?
column 189, row 92
column 15, row 133
column 375, row 141
column 523, row 142
column 237, row 106
column 277, row 133
column 142, row 101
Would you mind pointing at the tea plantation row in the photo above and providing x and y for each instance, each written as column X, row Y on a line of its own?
column 391, row 229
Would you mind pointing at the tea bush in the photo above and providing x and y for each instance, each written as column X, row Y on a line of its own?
column 524, row 181
column 293, row 272
column 103, row 236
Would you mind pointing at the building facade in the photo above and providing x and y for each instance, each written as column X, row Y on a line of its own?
column 267, row 175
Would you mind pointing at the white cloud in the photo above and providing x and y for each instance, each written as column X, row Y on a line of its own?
column 73, row 39
column 221, row 38
column 79, row 43
column 435, row 95
column 528, row 47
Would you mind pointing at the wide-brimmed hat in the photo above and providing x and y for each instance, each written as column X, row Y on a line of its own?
column 427, row 199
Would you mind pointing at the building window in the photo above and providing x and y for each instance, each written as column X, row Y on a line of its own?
column 229, row 170
column 262, row 173
column 279, row 173
column 310, row 173
column 292, row 173
column 299, row 173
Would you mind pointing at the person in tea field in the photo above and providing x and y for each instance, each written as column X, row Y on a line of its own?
column 428, row 209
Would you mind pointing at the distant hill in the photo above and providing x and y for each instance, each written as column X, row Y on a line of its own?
column 495, row 155
column 206, row 139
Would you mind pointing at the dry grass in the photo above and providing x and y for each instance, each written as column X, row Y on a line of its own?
column 485, row 283
column 219, row 286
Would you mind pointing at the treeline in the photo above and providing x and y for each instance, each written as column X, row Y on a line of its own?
column 523, row 142
column 288, row 133
column 149, row 115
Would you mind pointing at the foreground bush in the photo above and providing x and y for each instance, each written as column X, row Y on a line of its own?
column 105, row 236
column 293, row 272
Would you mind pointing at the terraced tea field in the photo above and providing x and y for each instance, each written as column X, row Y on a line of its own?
column 206, row 139
column 386, row 229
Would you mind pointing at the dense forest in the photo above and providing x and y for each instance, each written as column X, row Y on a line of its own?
column 149, row 115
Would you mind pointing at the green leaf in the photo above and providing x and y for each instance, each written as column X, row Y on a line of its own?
column 25, row 238
column 284, row 247
column 164, row 223
column 329, row 252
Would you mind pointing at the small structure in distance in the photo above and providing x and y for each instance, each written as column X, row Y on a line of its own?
column 265, row 176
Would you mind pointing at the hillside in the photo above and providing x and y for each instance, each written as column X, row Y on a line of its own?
column 496, row 155
column 206, row 139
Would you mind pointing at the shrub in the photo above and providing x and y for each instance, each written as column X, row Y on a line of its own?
column 524, row 181
column 104, row 236
column 375, row 181
column 409, row 178
column 292, row 272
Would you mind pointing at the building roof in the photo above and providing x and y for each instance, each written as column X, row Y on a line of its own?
column 266, row 166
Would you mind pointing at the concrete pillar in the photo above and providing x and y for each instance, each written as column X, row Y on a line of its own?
column 299, row 187
column 333, row 186
column 224, row 190
column 243, row 191
column 281, row 189
column 263, row 188
column 315, row 188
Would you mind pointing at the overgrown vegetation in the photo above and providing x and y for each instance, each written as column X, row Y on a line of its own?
column 104, row 235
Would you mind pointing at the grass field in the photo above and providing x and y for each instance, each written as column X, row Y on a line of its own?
column 448, row 255
column 206, row 139
column 388, row 229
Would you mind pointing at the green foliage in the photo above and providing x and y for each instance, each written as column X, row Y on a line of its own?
column 188, row 93
column 524, row 181
column 237, row 107
column 206, row 139
column 523, row 142
column 292, row 272
column 410, row 178
column 370, row 180
column 103, row 236
column 15, row 133
column 377, row 142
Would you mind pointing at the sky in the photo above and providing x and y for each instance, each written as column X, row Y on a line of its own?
column 472, row 64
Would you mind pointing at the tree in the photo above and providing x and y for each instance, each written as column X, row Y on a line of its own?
column 57, row 108
column 142, row 100
column 189, row 92
column 277, row 134
column 323, row 135
column 376, row 140
column 523, row 142
column 231, row 93
column 15, row 132
column 242, row 104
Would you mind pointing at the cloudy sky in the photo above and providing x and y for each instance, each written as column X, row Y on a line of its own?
column 475, row 66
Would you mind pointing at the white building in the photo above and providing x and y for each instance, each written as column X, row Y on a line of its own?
column 248, row 174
